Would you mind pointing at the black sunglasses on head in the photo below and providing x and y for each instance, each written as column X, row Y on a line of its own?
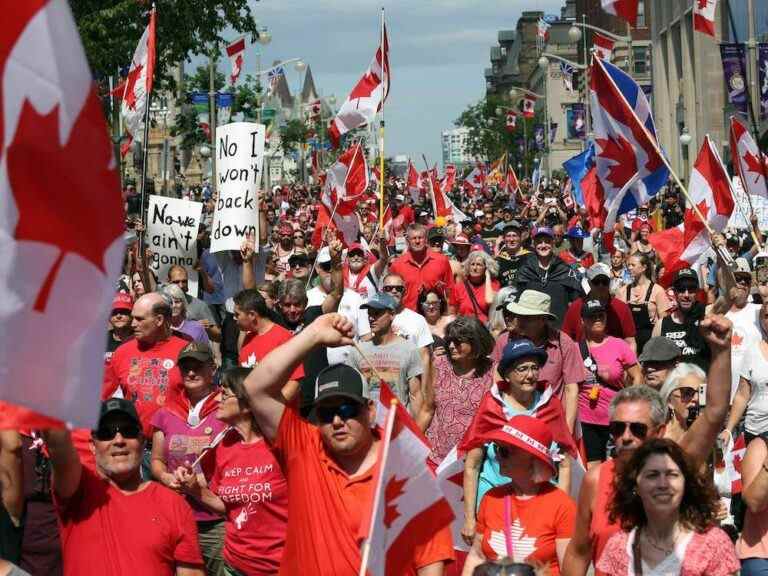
column 345, row 411
column 616, row 428
column 107, row 432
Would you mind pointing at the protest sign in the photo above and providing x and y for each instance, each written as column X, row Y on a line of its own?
column 739, row 218
column 239, row 159
column 172, row 236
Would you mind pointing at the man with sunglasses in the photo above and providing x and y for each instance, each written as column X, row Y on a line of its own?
column 660, row 356
column 119, row 323
column 113, row 522
column 421, row 268
column 620, row 323
column 330, row 464
column 638, row 413
column 682, row 325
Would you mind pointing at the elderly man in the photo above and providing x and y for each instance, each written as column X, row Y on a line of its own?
column 330, row 465
column 144, row 369
column 421, row 268
column 113, row 523
column 638, row 413
column 659, row 357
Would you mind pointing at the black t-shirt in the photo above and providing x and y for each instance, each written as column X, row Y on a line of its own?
column 112, row 345
column 693, row 347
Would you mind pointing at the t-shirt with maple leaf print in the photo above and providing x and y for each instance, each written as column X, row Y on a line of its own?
column 535, row 525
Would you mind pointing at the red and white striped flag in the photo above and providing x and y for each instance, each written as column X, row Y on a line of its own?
column 710, row 189
column 414, row 183
column 626, row 9
column 236, row 53
column 409, row 508
column 366, row 98
column 138, row 86
column 704, row 16
column 603, row 46
column 748, row 161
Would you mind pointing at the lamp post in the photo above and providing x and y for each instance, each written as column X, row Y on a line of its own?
column 263, row 37
column 575, row 33
column 685, row 141
column 205, row 154
column 544, row 65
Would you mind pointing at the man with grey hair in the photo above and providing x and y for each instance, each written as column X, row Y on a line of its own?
column 636, row 414
column 144, row 369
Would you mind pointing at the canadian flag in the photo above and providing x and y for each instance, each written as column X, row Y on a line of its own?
column 414, row 183
column 409, row 508
column 367, row 97
column 450, row 475
column 748, row 160
column 529, row 106
column 602, row 46
column 138, row 85
column 626, row 9
column 345, row 184
column 475, row 181
column 446, row 185
column 704, row 16
column 511, row 120
column 236, row 53
column 511, row 182
column 710, row 189
column 61, row 220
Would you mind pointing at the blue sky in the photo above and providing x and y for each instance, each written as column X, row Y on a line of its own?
column 438, row 51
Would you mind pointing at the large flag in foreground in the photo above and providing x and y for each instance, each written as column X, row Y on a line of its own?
column 366, row 98
column 748, row 161
column 61, row 218
column 710, row 189
column 630, row 168
column 138, row 85
column 626, row 9
column 408, row 506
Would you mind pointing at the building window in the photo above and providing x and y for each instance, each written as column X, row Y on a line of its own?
column 639, row 59
column 640, row 14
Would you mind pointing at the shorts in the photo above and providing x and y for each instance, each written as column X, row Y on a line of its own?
column 596, row 438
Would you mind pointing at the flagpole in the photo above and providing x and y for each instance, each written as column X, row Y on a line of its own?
column 384, row 454
column 431, row 187
column 381, row 123
column 145, row 149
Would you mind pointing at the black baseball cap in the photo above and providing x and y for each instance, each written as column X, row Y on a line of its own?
column 686, row 274
column 341, row 380
column 592, row 308
column 118, row 405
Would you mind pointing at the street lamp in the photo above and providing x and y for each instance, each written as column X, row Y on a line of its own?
column 543, row 62
column 574, row 33
column 685, row 137
column 265, row 36
column 300, row 66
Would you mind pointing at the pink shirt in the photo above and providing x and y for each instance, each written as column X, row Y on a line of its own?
column 613, row 357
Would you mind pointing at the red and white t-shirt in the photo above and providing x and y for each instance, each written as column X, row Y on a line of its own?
column 250, row 482
column 257, row 346
column 107, row 532
column 146, row 375
column 535, row 524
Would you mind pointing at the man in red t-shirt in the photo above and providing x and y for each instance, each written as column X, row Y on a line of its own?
column 262, row 335
column 144, row 369
column 331, row 466
column 421, row 268
column 620, row 323
column 112, row 522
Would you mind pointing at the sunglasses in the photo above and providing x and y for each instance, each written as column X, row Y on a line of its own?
column 121, row 312
column 298, row 264
column 399, row 289
column 325, row 266
column 617, row 428
column 686, row 394
column 689, row 288
column 345, row 411
column 743, row 280
column 106, row 433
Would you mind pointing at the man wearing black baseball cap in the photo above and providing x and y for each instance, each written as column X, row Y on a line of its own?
column 96, row 506
column 682, row 325
column 329, row 463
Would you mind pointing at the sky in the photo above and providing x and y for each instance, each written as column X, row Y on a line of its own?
column 438, row 52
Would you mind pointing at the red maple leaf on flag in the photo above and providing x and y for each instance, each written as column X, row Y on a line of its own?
column 130, row 89
column 622, row 153
column 703, row 4
column 693, row 224
column 753, row 165
column 65, row 196
column 392, row 491
column 737, row 339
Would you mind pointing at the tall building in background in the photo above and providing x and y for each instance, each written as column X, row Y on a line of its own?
column 454, row 146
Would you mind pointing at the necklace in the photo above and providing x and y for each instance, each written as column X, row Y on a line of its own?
column 668, row 549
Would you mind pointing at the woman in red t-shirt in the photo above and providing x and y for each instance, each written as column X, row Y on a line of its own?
column 247, row 486
column 529, row 519
column 473, row 297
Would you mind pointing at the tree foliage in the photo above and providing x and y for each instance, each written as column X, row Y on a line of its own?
column 292, row 134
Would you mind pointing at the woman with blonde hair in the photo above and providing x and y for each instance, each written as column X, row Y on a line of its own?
column 473, row 296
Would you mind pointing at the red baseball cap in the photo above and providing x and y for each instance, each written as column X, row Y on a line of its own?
column 355, row 246
column 528, row 434
column 285, row 228
column 122, row 301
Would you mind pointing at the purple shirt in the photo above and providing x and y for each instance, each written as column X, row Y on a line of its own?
column 182, row 445
column 194, row 330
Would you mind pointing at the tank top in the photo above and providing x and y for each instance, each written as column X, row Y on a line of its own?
column 601, row 528
column 693, row 348
column 642, row 317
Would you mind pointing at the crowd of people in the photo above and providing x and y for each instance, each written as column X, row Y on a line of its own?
column 237, row 434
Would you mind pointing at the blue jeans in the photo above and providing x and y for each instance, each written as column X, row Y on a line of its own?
column 754, row 567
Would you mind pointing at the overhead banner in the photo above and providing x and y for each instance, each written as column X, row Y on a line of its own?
column 762, row 67
column 239, row 161
column 538, row 137
column 576, row 119
column 172, row 225
column 734, row 69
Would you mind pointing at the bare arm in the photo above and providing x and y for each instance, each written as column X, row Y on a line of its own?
column 634, row 375
column 475, row 557
column 157, row 462
column 185, row 570
column 630, row 340
column 427, row 411
column 571, row 403
column 578, row 554
column 739, row 404
column 265, row 382
column 11, row 474
column 67, row 469
column 755, row 476
column 248, row 253
column 381, row 264
column 725, row 280
column 434, row 569
column 698, row 440
column 472, row 464
column 332, row 300
column 561, row 545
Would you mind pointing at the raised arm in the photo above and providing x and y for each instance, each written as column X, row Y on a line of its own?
column 333, row 298
column 248, row 253
column 265, row 382
column 578, row 555
column 11, row 474
column 67, row 468
column 698, row 440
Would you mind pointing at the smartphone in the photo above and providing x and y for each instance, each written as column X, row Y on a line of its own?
column 761, row 268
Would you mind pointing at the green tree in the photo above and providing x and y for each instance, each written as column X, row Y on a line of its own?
column 292, row 134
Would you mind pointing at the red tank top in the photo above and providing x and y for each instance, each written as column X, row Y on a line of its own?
column 601, row 529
